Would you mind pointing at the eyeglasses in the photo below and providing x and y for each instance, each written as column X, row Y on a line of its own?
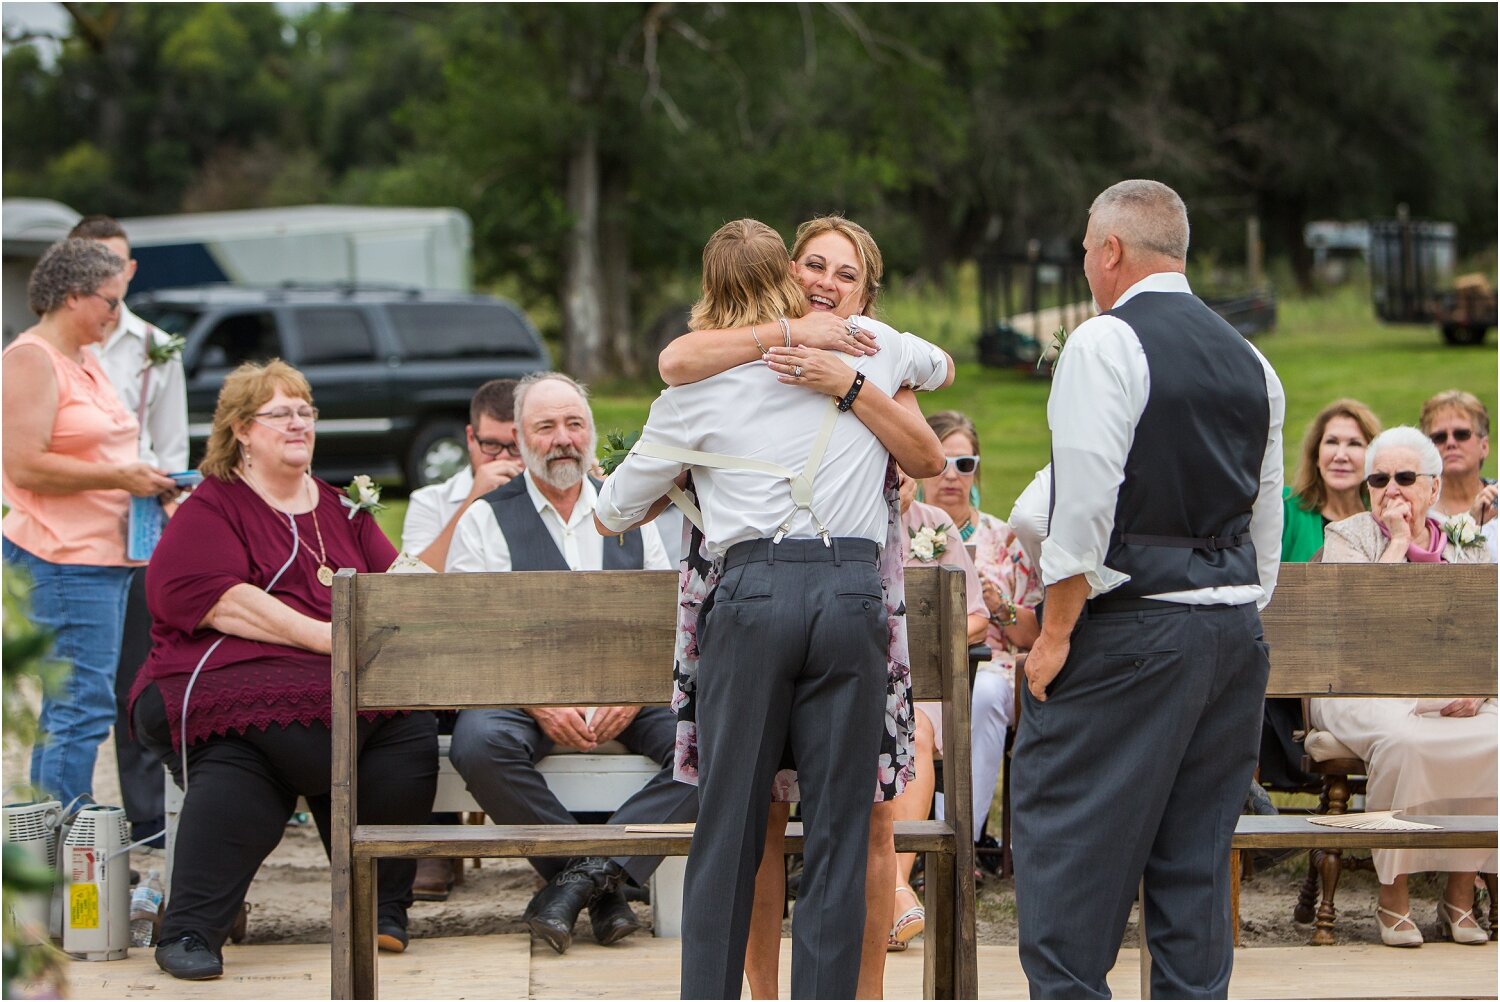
column 963, row 464
column 1405, row 478
column 494, row 449
column 113, row 304
column 1440, row 438
column 283, row 415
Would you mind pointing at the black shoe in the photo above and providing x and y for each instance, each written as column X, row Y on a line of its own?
column 188, row 957
column 553, row 911
column 611, row 917
column 989, row 854
column 390, row 935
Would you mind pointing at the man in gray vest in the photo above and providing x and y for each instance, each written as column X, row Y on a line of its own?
column 1141, row 718
column 543, row 521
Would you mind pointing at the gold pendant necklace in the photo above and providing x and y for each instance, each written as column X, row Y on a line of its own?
column 325, row 573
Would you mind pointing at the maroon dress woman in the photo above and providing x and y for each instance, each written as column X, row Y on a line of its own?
column 236, row 695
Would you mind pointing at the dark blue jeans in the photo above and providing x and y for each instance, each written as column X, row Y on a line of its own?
column 84, row 607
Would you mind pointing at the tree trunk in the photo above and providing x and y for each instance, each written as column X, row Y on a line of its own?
column 614, row 252
column 583, row 285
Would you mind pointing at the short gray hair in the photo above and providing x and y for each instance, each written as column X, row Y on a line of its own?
column 1404, row 436
column 72, row 267
column 530, row 382
column 1143, row 214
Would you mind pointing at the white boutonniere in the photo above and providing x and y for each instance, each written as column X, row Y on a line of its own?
column 928, row 543
column 362, row 494
column 1463, row 532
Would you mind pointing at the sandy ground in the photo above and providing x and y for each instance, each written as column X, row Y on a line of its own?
column 290, row 896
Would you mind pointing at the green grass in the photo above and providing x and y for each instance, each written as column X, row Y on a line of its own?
column 1324, row 347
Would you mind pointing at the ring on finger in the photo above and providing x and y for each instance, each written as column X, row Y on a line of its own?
column 797, row 372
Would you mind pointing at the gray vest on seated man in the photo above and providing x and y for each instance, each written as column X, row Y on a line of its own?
column 496, row 752
column 531, row 545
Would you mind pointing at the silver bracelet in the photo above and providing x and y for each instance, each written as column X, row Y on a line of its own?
column 786, row 330
column 757, row 340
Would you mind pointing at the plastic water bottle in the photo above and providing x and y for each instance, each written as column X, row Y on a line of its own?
column 145, row 907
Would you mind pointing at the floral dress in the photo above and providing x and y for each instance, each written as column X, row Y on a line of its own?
column 699, row 574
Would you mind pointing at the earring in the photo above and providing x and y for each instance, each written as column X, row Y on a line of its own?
column 974, row 497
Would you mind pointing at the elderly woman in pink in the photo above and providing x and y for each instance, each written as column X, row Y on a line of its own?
column 1426, row 756
column 71, row 466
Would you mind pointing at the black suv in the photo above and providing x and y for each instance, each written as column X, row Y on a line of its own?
column 392, row 370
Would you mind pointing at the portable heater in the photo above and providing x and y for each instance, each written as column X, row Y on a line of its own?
column 33, row 828
column 96, row 884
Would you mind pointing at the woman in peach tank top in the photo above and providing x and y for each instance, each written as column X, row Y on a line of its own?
column 70, row 467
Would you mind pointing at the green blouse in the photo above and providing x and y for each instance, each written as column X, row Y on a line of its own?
column 1301, row 530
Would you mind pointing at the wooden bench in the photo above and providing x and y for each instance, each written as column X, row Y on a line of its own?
column 1403, row 630
column 599, row 638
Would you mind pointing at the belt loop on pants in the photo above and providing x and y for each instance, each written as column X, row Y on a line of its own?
column 837, row 561
column 771, row 552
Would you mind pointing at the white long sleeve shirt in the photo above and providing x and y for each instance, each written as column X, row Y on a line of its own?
column 745, row 412
column 430, row 508
column 1099, row 391
column 164, row 432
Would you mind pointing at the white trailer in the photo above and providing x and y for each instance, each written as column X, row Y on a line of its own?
column 426, row 248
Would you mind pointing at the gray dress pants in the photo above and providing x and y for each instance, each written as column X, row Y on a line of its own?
column 1136, row 768
column 793, row 646
column 496, row 752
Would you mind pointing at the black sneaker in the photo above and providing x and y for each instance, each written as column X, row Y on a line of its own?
column 189, row 958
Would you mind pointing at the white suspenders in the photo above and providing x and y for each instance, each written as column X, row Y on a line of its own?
column 802, row 483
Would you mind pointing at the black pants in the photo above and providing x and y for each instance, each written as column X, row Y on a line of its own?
column 496, row 752
column 242, row 787
column 140, row 768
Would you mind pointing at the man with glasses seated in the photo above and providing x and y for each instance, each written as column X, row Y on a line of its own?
column 1459, row 425
column 494, row 458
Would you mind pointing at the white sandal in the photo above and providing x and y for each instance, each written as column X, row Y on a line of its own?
column 1395, row 935
column 1464, row 929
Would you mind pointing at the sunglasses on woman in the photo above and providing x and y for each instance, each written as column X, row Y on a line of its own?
column 1440, row 438
column 964, row 464
column 1405, row 478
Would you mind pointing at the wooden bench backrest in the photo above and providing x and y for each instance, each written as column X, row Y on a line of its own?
column 1383, row 630
column 563, row 637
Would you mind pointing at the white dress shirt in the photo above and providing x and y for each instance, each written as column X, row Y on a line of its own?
column 1099, row 391
column 430, row 508
column 1028, row 517
column 164, row 431
column 745, row 412
column 479, row 545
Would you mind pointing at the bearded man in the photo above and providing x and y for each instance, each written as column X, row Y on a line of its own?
column 543, row 521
